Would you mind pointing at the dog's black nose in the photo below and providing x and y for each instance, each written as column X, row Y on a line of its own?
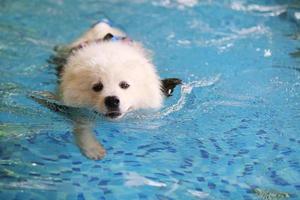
column 112, row 102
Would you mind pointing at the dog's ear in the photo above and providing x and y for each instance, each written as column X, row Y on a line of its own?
column 168, row 85
column 108, row 36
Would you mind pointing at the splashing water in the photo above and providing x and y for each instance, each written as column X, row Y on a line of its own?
column 186, row 89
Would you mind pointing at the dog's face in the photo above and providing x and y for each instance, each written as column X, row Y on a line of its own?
column 112, row 78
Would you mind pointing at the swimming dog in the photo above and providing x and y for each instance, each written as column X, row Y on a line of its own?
column 104, row 70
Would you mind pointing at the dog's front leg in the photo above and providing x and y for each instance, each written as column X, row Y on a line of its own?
column 83, row 124
column 86, row 141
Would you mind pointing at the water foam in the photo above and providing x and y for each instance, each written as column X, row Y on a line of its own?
column 180, row 4
column 198, row 194
column 236, row 34
column 186, row 89
column 263, row 10
column 133, row 179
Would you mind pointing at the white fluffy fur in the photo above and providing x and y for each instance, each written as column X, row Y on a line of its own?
column 111, row 63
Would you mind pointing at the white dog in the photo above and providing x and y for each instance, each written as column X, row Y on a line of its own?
column 106, row 71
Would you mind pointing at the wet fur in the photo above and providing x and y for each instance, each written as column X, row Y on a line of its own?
column 79, row 67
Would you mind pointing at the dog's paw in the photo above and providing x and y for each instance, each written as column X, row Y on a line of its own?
column 93, row 151
column 88, row 144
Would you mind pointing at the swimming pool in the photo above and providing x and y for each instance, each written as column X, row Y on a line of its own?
column 230, row 132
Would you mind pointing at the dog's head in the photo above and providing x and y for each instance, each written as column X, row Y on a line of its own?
column 112, row 78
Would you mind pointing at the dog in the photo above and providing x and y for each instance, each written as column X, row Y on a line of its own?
column 107, row 72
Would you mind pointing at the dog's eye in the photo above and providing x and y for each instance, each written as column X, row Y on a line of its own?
column 124, row 85
column 97, row 87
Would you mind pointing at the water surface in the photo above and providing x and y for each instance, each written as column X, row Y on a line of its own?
column 230, row 132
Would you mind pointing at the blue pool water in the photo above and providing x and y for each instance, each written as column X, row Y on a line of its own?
column 230, row 132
